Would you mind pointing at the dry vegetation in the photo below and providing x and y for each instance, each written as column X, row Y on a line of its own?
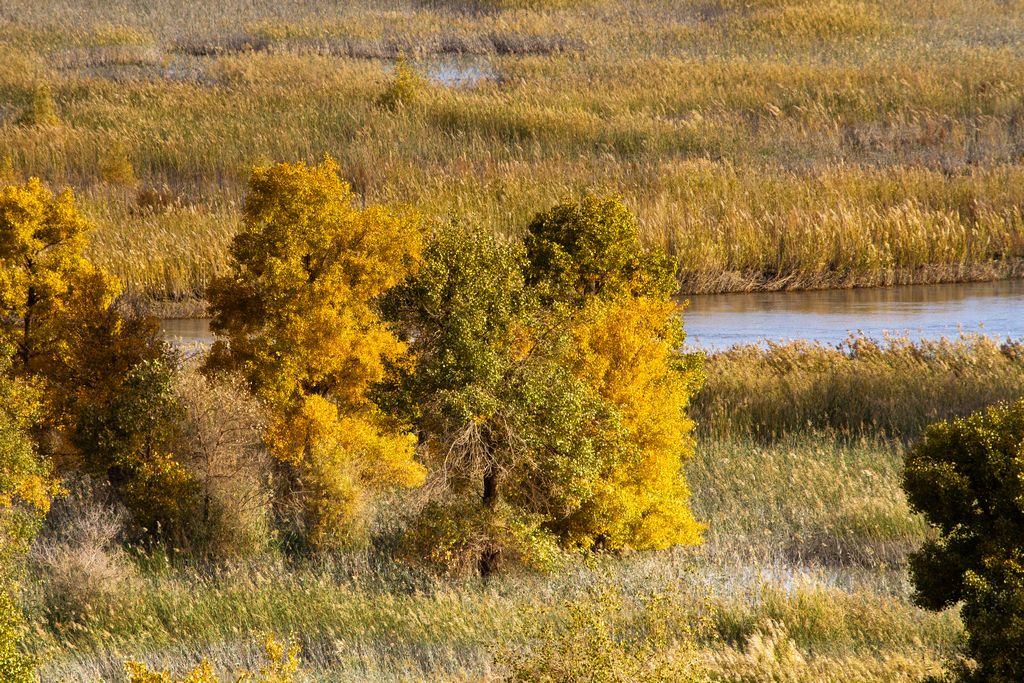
column 806, row 587
column 894, row 387
column 769, row 144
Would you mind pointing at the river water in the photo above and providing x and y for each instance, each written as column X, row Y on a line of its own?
column 718, row 321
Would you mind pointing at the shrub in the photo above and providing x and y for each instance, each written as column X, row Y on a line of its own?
column 282, row 666
column 967, row 477
column 79, row 559
column 15, row 665
column 132, row 439
column 154, row 200
column 603, row 639
column 592, row 247
column 116, row 167
column 405, row 86
column 221, row 447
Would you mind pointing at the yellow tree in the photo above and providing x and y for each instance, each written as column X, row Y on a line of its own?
column 26, row 489
column 627, row 350
column 53, row 300
column 588, row 266
column 296, row 316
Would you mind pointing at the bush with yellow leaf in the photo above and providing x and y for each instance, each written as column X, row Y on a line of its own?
column 282, row 666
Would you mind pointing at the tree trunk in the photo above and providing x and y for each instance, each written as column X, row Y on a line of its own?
column 25, row 352
column 489, row 556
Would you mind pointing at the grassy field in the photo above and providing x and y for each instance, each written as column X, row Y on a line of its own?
column 767, row 143
column 801, row 578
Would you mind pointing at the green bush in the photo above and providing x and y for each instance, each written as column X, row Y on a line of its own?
column 405, row 86
column 967, row 477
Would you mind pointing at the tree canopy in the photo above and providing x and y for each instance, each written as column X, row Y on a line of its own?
column 296, row 316
column 52, row 298
column 548, row 389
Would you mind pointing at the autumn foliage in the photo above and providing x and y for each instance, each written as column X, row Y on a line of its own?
column 548, row 389
column 26, row 489
column 296, row 317
column 52, row 298
column 537, row 387
column 586, row 261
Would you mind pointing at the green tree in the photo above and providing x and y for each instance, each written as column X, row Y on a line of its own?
column 550, row 406
column 296, row 316
column 578, row 250
column 967, row 477
column 132, row 438
column 507, row 433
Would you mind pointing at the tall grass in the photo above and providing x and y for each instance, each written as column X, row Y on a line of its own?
column 803, row 143
column 895, row 387
column 802, row 575
column 842, row 608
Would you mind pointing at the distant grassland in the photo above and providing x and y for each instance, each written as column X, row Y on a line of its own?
column 768, row 143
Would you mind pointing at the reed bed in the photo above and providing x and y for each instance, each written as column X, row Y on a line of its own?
column 894, row 387
column 770, row 145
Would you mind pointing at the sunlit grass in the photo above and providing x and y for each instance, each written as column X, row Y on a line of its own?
column 770, row 144
column 806, row 545
column 894, row 387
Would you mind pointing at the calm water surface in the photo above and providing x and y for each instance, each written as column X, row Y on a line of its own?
column 718, row 321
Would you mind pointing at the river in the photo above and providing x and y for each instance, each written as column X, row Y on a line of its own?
column 718, row 321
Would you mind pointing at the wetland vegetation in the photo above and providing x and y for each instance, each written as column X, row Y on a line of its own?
column 448, row 430
column 767, row 145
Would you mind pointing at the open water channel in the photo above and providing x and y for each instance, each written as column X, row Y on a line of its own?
column 717, row 321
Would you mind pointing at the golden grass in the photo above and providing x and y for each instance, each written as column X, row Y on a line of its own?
column 769, row 143
column 895, row 387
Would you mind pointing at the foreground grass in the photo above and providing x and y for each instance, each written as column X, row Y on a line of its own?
column 800, row 143
column 801, row 575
